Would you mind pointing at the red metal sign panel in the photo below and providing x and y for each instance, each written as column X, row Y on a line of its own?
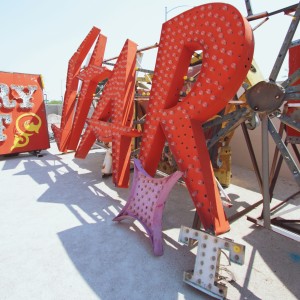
column 293, row 111
column 226, row 39
column 227, row 42
column 23, row 123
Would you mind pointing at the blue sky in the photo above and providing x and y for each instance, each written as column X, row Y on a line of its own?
column 39, row 37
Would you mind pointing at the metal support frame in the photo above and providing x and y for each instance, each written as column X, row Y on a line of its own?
column 284, row 151
column 268, row 127
column 289, row 121
column 238, row 215
column 278, row 224
column 285, row 46
column 265, row 172
column 249, row 7
column 234, row 120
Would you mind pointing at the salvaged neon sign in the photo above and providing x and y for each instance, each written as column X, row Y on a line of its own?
column 226, row 39
column 73, row 116
column 23, row 124
column 21, row 94
column 227, row 42
column 116, row 103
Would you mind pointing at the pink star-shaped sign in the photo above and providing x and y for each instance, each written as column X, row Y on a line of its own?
column 146, row 203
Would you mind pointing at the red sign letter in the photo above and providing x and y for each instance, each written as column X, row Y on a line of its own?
column 67, row 136
column 117, row 102
column 227, row 43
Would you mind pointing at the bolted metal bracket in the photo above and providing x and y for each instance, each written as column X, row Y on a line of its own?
column 265, row 97
column 205, row 276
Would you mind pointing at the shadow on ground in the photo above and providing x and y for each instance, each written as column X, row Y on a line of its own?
column 116, row 259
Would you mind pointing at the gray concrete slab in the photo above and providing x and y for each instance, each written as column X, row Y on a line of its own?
column 58, row 240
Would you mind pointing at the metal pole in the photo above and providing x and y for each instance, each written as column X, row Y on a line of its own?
column 249, row 7
column 285, row 46
column 265, row 172
column 166, row 13
column 138, row 51
column 61, row 93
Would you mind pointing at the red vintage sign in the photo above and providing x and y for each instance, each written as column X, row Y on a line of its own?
column 293, row 106
column 226, row 40
column 23, row 123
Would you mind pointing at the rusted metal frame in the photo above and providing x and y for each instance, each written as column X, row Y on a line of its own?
column 272, row 186
column 238, row 118
column 108, row 64
column 241, row 114
column 267, row 195
column 288, row 221
column 285, row 201
column 275, row 174
column 137, row 69
column 282, row 223
column 292, row 89
column 267, row 125
column 196, row 224
column 136, row 122
column 144, row 70
column 292, row 96
column 261, row 23
column 290, row 122
column 291, row 79
column 293, row 140
column 213, row 150
column 268, row 14
column 287, row 224
column 138, row 51
column 265, row 171
column 275, row 171
column 224, row 118
column 284, row 152
column 246, row 210
column 276, row 228
column 276, row 163
column 257, row 173
column 249, row 7
column 250, row 13
column 296, row 151
column 287, row 9
column 285, row 45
